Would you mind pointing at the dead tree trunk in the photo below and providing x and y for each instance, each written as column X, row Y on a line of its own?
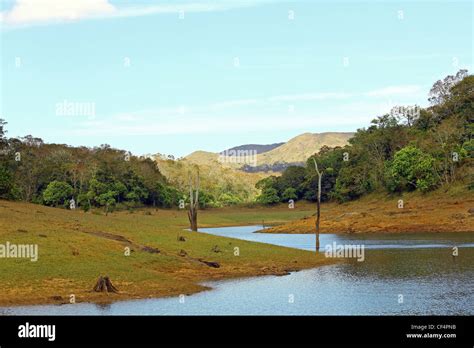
column 318, row 204
column 104, row 285
column 193, row 203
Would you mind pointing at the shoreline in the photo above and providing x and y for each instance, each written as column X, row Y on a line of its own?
column 379, row 214
column 75, row 248
column 90, row 297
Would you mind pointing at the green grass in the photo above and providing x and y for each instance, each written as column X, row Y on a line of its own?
column 71, row 258
column 256, row 215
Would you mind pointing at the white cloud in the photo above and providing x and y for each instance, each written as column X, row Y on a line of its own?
column 185, row 7
column 33, row 12
column 40, row 11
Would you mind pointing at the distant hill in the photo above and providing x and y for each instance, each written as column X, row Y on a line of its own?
column 296, row 150
column 222, row 177
column 215, row 179
column 203, row 157
column 301, row 147
column 255, row 147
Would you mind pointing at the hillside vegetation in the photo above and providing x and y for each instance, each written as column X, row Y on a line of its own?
column 223, row 180
column 299, row 148
column 411, row 149
column 441, row 210
column 296, row 150
column 256, row 147
column 220, row 185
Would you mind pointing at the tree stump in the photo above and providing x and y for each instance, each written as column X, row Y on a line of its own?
column 105, row 285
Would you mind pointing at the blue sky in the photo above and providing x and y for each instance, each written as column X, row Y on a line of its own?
column 177, row 76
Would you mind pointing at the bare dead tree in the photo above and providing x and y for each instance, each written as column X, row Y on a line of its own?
column 318, row 204
column 104, row 285
column 441, row 90
column 193, row 202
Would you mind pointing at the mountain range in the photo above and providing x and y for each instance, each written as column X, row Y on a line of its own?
column 274, row 157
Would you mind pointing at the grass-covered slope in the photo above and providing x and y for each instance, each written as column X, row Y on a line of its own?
column 76, row 247
column 297, row 149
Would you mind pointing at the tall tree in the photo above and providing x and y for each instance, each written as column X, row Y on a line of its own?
column 318, row 203
column 442, row 89
column 2, row 129
column 193, row 201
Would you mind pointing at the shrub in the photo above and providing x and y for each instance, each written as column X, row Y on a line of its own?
column 411, row 169
column 57, row 193
column 269, row 196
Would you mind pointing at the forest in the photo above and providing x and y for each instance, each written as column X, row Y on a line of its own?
column 54, row 174
column 409, row 149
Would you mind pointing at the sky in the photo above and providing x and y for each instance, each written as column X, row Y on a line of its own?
column 173, row 77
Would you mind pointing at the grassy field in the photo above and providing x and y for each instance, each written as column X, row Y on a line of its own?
column 76, row 247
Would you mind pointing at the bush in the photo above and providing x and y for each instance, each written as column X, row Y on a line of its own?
column 229, row 199
column 57, row 193
column 269, row 196
column 411, row 169
column 84, row 202
column 289, row 193
column 6, row 182
column 352, row 183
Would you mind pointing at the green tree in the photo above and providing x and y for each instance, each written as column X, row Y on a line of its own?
column 292, row 177
column 411, row 169
column 229, row 199
column 165, row 196
column 107, row 200
column 84, row 202
column 330, row 160
column 269, row 195
column 6, row 181
column 289, row 193
column 57, row 193
column 266, row 182
column 205, row 199
column 352, row 182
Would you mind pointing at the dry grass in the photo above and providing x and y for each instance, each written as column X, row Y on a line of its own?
column 439, row 211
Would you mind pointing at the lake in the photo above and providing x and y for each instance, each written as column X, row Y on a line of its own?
column 406, row 274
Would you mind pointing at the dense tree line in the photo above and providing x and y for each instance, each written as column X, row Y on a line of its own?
column 409, row 149
column 61, row 175
column 401, row 151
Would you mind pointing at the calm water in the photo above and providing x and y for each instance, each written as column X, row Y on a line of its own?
column 415, row 268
